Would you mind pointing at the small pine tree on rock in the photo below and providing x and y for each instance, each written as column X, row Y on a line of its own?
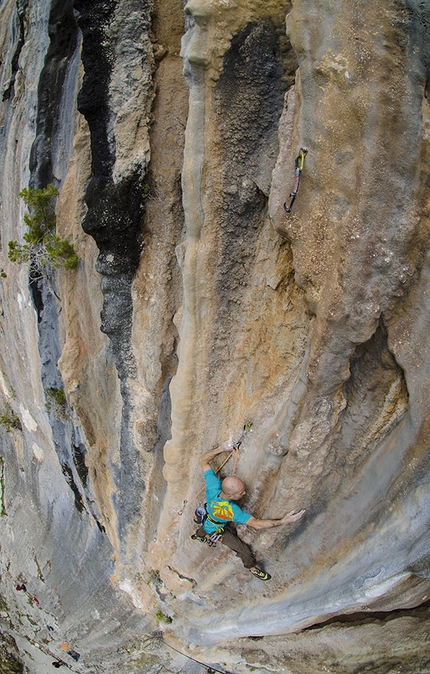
column 42, row 245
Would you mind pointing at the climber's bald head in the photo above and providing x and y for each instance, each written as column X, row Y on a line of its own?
column 233, row 488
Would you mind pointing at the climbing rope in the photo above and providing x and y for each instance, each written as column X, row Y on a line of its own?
column 299, row 164
column 209, row 668
column 236, row 458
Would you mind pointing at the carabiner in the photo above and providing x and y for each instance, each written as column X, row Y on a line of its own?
column 299, row 164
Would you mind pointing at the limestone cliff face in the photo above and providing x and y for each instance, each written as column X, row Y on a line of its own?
column 171, row 131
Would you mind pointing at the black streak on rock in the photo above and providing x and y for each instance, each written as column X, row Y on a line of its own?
column 114, row 220
column 68, row 474
column 249, row 100
column 115, row 210
column 94, row 17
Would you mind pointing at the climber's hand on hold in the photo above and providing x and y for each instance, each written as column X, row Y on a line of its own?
column 268, row 524
column 293, row 517
column 227, row 446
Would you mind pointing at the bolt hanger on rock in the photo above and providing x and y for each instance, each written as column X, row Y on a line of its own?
column 299, row 164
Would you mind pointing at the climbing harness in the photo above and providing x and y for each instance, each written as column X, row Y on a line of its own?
column 299, row 164
column 200, row 515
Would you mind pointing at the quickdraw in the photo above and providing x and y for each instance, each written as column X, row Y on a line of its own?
column 299, row 164
column 247, row 427
column 213, row 539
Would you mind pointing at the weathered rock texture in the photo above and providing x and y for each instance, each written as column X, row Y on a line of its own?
column 199, row 304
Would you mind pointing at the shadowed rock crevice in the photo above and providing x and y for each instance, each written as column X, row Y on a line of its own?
column 114, row 216
column 376, row 397
column 63, row 33
column 68, row 474
column 419, row 12
column 78, row 453
column 115, row 210
column 419, row 611
column 21, row 7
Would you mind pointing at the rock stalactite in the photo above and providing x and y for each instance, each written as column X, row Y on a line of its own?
column 171, row 130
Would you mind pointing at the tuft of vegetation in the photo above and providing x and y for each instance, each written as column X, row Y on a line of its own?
column 9, row 656
column 9, row 420
column 154, row 577
column 3, row 604
column 56, row 403
column 39, row 570
column 162, row 617
column 42, row 245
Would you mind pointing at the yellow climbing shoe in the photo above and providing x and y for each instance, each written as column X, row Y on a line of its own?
column 258, row 573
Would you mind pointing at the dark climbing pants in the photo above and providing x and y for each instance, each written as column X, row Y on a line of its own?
column 232, row 541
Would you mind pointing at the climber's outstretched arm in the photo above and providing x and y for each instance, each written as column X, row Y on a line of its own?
column 269, row 524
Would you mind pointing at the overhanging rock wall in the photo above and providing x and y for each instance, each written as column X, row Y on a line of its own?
column 199, row 304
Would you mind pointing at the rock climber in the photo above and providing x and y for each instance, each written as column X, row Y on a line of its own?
column 222, row 511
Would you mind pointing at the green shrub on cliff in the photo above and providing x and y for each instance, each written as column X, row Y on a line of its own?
column 42, row 246
column 56, row 402
column 8, row 419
